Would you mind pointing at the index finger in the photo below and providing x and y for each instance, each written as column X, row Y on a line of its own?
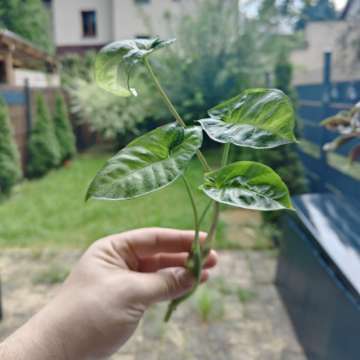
column 150, row 241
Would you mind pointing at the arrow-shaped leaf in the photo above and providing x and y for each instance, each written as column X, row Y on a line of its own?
column 257, row 118
column 147, row 164
column 248, row 185
column 114, row 63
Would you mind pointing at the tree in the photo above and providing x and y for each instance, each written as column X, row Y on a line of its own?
column 74, row 66
column 44, row 153
column 218, row 53
column 27, row 18
column 285, row 159
column 63, row 130
column 10, row 171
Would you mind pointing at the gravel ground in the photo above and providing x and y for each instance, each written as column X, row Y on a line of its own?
column 238, row 315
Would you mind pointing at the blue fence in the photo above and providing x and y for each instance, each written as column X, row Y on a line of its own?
column 327, row 172
column 13, row 96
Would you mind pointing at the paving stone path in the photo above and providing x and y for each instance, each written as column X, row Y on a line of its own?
column 237, row 316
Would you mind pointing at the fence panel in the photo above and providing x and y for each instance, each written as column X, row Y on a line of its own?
column 327, row 171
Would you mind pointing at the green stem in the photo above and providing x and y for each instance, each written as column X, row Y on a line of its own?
column 195, row 212
column 225, row 156
column 205, row 211
column 194, row 263
column 166, row 99
column 173, row 111
column 211, row 233
column 215, row 219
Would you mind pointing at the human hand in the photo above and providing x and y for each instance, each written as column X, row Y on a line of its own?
column 103, row 299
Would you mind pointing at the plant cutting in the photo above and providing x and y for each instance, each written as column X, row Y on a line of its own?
column 347, row 125
column 256, row 118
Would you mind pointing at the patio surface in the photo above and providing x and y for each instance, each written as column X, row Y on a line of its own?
column 244, row 317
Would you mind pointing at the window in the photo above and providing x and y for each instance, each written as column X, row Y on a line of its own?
column 89, row 23
column 140, row 2
column 2, row 73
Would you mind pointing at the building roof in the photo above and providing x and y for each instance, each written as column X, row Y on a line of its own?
column 25, row 52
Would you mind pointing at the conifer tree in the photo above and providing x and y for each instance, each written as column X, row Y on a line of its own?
column 63, row 130
column 10, row 170
column 44, row 153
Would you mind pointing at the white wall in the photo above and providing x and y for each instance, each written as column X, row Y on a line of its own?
column 36, row 78
column 131, row 20
column 320, row 37
column 116, row 19
column 68, row 24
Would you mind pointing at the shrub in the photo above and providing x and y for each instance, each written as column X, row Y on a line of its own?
column 63, row 130
column 112, row 117
column 43, row 147
column 74, row 66
column 9, row 157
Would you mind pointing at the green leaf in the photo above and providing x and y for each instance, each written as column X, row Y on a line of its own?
column 248, row 185
column 115, row 62
column 147, row 164
column 257, row 118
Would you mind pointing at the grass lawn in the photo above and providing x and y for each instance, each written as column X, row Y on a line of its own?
column 50, row 212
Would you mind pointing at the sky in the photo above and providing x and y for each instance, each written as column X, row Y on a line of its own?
column 340, row 3
column 251, row 5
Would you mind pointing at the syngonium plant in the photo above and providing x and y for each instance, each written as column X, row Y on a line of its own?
column 347, row 124
column 257, row 118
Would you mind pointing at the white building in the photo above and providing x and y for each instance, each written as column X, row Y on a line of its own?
column 83, row 24
column 335, row 36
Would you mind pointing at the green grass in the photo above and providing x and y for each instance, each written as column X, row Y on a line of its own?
column 245, row 295
column 208, row 303
column 51, row 212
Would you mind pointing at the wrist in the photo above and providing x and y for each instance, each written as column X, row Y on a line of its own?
column 35, row 340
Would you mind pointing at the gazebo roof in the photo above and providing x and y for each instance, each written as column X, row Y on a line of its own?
column 25, row 53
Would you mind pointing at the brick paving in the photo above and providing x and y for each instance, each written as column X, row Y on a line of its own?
column 245, row 317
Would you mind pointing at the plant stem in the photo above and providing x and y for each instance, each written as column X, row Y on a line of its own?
column 203, row 214
column 225, row 156
column 195, row 212
column 211, row 233
column 173, row 111
column 194, row 262
column 215, row 219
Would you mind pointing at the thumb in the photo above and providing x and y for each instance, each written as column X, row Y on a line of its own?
column 167, row 284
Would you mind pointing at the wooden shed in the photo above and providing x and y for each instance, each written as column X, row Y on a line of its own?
column 20, row 60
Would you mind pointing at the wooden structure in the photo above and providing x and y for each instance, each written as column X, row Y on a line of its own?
column 16, row 52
